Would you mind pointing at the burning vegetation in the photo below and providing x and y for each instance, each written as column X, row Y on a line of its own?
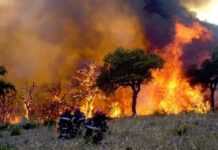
column 169, row 91
column 76, row 48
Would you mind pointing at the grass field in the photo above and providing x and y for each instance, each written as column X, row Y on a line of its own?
column 181, row 132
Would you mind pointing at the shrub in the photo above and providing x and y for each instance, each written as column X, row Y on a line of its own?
column 49, row 123
column 29, row 126
column 15, row 131
column 3, row 127
column 129, row 148
column 181, row 130
column 159, row 113
column 6, row 147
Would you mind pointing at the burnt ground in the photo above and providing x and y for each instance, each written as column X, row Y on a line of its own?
column 182, row 132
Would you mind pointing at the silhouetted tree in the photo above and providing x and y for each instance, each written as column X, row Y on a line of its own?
column 207, row 75
column 5, row 87
column 2, row 71
column 127, row 68
column 7, row 90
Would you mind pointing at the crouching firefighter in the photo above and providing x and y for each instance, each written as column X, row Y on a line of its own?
column 95, row 128
column 65, row 125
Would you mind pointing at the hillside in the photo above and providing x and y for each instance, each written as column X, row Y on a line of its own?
column 182, row 132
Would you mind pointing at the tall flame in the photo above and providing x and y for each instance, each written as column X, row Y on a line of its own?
column 170, row 91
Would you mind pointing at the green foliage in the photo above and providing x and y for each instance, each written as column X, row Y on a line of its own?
column 127, row 68
column 15, row 131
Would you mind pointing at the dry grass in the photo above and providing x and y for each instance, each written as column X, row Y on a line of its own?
column 182, row 132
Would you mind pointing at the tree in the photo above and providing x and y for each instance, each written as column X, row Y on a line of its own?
column 207, row 75
column 7, row 91
column 2, row 71
column 5, row 87
column 84, row 90
column 130, row 68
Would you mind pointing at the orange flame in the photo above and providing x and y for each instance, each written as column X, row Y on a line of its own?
column 170, row 92
column 15, row 120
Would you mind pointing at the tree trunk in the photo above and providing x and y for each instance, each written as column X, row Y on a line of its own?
column 135, row 89
column 212, row 97
column 134, row 102
column 213, row 86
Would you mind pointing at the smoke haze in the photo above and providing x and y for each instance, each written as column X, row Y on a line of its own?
column 43, row 39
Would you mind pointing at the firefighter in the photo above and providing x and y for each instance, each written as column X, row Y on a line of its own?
column 78, row 121
column 95, row 128
column 65, row 125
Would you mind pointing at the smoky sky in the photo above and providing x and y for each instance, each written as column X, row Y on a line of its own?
column 42, row 39
column 159, row 28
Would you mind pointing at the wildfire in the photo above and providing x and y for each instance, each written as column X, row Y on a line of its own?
column 170, row 91
column 88, row 107
column 15, row 120
column 115, row 110
column 88, row 38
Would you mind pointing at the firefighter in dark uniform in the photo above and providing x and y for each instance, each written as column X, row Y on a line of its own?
column 65, row 125
column 78, row 120
column 95, row 128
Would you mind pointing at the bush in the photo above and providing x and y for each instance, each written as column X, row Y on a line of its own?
column 6, row 147
column 129, row 148
column 181, row 130
column 29, row 126
column 3, row 127
column 49, row 123
column 15, row 131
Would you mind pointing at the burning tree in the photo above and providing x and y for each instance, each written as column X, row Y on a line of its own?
column 7, row 94
column 128, row 68
column 46, row 102
column 207, row 75
column 43, row 102
column 84, row 90
column 28, row 100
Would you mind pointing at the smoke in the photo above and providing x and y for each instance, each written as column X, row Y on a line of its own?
column 159, row 28
column 43, row 39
